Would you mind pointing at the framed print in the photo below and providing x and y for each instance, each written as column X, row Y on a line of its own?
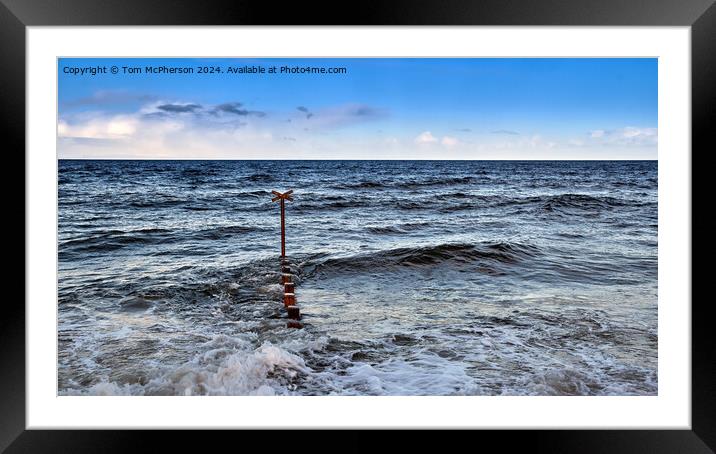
column 480, row 221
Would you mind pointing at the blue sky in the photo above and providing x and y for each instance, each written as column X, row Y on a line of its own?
column 392, row 108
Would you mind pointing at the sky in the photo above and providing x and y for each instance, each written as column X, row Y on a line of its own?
column 365, row 108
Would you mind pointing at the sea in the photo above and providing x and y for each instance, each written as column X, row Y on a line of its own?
column 412, row 277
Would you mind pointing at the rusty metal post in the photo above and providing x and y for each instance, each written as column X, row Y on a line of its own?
column 281, row 198
column 293, row 313
column 289, row 297
column 283, row 229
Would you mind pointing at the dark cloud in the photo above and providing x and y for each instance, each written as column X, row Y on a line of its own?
column 236, row 109
column 157, row 115
column 359, row 112
column 292, row 139
column 179, row 108
column 464, row 130
column 226, row 114
column 345, row 115
column 231, row 107
column 505, row 132
column 305, row 110
column 365, row 111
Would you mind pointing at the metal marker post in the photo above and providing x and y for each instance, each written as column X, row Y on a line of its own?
column 282, row 198
column 289, row 297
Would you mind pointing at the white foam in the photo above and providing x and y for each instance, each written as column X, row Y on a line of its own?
column 421, row 374
column 217, row 372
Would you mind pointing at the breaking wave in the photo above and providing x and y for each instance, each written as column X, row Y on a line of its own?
column 505, row 253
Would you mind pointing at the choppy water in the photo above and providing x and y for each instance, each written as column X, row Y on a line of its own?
column 413, row 278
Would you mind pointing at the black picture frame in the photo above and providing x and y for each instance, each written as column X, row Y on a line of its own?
column 16, row 15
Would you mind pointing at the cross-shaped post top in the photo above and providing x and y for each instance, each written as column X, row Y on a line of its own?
column 285, row 196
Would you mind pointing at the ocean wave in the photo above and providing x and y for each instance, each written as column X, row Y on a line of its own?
column 252, row 194
column 399, row 228
column 110, row 240
column 145, row 200
column 411, row 184
column 261, row 178
column 454, row 181
column 221, row 232
column 385, row 230
column 583, row 201
column 115, row 239
column 504, row 253
column 227, row 366
column 360, row 185
column 303, row 207
column 454, row 202
column 199, row 173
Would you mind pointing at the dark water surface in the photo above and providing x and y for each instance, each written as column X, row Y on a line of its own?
column 413, row 278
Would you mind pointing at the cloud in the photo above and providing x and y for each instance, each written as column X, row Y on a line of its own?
column 114, row 127
column 505, row 132
column 626, row 136
column 235, row 108
column 363, row 111
column 231, row 107
column 631, row 132
column 305, row 110
column 88, row 142
column 179, row 108
column 345, row 115
column 218, row 114
column 186, row 129
column 171, row 136
column 425, row 138
column 520, row 143
column 463, row 129
column 537, row 141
